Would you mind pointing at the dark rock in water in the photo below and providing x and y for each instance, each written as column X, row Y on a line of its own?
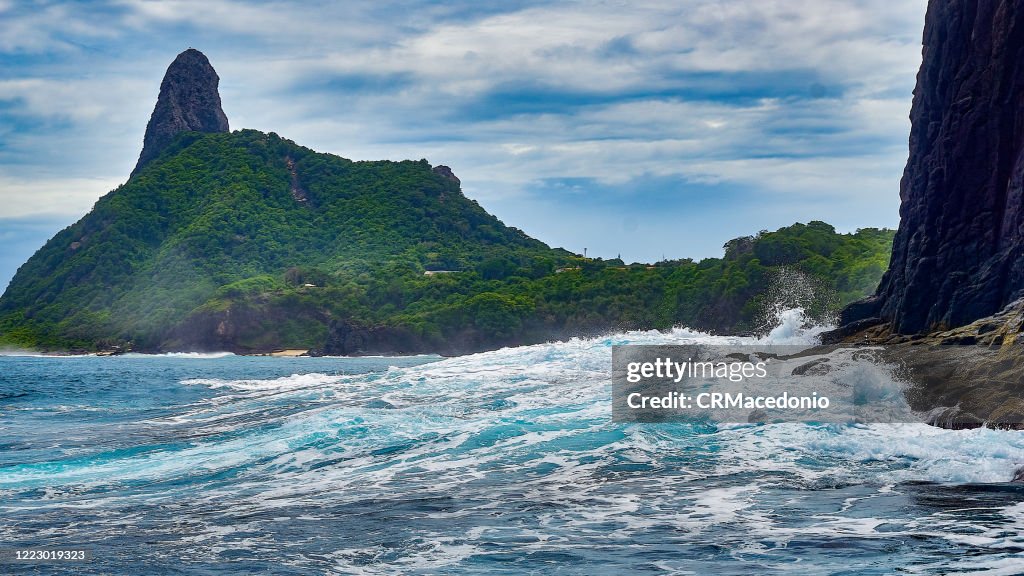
column 757, row 416
column 966, row 377
column 955, row 419
column 957, row 255
column 819, row 367
column 188, row 102
column 849, row 329
column 869, row 307
column 1018, row 475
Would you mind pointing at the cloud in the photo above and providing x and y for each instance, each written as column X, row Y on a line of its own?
column 785, row 110
column 79, row 100
column 61, row 197
column 52, row 27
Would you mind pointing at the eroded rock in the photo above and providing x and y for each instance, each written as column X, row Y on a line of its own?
column 189, row 101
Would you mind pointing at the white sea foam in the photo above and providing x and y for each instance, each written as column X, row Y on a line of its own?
column 182, row 355
column 295, row 381
column 793, row 327
column 564, row 385
column 529, row 429
column 474, row 402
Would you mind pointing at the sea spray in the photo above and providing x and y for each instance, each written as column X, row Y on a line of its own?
column 795, row 294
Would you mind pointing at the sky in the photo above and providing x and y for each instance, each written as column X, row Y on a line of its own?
column 648, row 130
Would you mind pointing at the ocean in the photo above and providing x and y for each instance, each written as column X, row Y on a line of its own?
column 505, row 462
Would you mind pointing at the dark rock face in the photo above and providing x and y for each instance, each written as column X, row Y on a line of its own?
column 348, row 339
column 1018, row 475
column 959, row 252
column 188, row 102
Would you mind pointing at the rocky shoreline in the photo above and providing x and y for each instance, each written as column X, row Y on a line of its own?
column 966, row 377
column 949, row 310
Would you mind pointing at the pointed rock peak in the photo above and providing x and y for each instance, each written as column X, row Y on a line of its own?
column 188, row 102
column 447, row 173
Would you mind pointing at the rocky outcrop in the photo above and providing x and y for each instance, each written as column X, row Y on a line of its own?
column 188, row 102
column 346, row 338
column 298, row 192
column 950, row 310
column 256, row 326
column 959, row 252
column 447, row 173
column 351, row 338
column 965, row 377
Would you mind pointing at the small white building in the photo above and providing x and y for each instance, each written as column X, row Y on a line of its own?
column 435, row 272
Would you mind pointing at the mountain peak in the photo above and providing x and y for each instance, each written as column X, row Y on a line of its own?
column 188, row 102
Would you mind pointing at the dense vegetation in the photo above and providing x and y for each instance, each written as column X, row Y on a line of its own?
column 808, row 266
column 246, row 241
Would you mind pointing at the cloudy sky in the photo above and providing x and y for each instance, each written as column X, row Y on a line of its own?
column 645, row 129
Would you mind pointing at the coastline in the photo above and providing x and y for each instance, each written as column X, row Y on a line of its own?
column 966, row 377
column 288, row 353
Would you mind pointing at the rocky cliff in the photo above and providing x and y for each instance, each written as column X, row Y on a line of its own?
column 959, row 252
column 949, row 312
column 189, row 102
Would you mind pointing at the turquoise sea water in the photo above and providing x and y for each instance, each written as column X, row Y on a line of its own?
column 505, row 462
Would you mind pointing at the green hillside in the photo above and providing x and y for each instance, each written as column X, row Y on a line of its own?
column 247, row 242
column 808, row 266
column 221, row 214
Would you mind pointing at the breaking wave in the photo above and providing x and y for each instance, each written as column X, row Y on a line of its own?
column 506, row 461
